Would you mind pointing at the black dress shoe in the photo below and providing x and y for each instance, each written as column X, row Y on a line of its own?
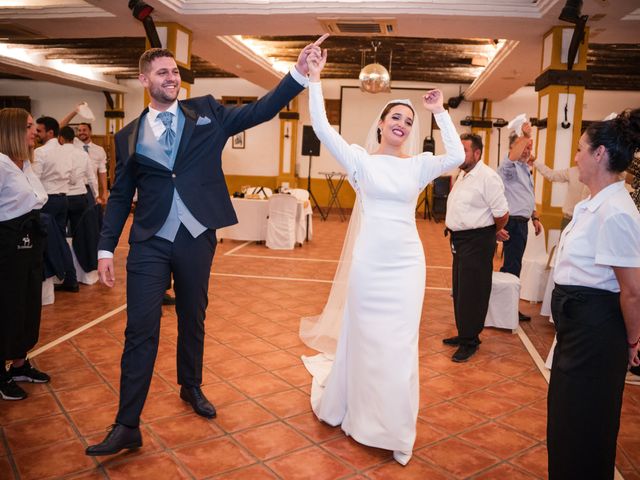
column 67, row 287
column 452, row 341
column 118, row 438
column 523, row 318
column 198, row 401
column 464, row 353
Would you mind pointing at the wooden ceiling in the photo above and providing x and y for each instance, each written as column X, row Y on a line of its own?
column 431, row 60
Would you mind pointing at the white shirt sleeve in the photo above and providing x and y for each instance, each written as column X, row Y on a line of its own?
column 494, row 194
column 104, row 254
column 347, row 155
column 298, row 77
column 435, row 165
column 617, row 243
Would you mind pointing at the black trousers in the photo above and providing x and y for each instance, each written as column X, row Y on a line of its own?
column 21, row 263
column 77, row 205
column 58, row 207
column 514, row 247
column 149, row 266
column 471, row 278
column 587, row 381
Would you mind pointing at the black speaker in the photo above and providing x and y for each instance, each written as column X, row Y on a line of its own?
column 310, row 143
column 441, row 186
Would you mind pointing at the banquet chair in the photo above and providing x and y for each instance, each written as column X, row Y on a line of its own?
column 281, row 223
column 503, row 302
column 545, row 309
column 262, row 192
column 534, row 273
column 306, row 222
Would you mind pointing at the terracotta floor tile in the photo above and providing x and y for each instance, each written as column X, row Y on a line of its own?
column 234, row 368
column 62, row 357
column 164, row 405
column 533, row 461
column 188, row 428
column 230, row 334
column 287, row 403
column 221, row 394
column 242, row 415
column 518, row 392
column 416, row 469
column 271, row 440
column 505, row 366
column 527, row 421
column 213, row 456
column 447, row 386
column 252, row 347
column 426, row 434
column 91, row 475
column 158, row 466
column 33, row 407
column 502, row 442
column 313, row 428
column 309, row 463
column 254, row 472
column 487, row 404
column 449, row 417
column 456, row 457
column 6, row 471
column 75, row 378
column 260, row 384
column 506, row 472
column 79, row 398
column 219, row 353
column 359, row 456
column 296, row 375
column 274, row 360
column 62, row 458
column 38, row 432
column 284, row 340
column 94, row 419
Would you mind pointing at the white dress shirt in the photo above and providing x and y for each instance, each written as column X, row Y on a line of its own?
column 98, row 159
column 52, row 167
column 81, row 169
column 604, row 233
column 20, row 190
column 476, row 199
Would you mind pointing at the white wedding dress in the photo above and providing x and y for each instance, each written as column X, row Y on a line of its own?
column 371, row 388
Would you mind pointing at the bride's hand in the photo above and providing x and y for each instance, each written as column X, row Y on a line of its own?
column 315, row 64
column 433, row 101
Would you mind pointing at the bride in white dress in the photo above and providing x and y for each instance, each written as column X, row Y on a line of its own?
column 371, row 388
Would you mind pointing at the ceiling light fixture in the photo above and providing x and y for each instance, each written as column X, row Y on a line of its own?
column 374, row 78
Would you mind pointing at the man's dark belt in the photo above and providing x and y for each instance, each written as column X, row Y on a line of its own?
column 518, row 218
column 57, row 194
column 448, row 231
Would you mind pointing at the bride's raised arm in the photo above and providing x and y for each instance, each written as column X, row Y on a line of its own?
column 344, row 153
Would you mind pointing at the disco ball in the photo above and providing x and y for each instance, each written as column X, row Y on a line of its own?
column 374, row 78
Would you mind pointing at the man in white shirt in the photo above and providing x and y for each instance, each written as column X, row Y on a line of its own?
column 477, row 212
column 54, row 169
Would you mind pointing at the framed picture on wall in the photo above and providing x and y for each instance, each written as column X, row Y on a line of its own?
column 237, row 141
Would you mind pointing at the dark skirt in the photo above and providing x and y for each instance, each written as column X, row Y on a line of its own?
column 21, row 259
column 587, row 381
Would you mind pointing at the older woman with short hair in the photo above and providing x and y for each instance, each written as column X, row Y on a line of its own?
column 21, row 253
column 596, row 307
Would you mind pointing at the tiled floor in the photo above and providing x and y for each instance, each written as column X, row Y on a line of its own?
column 484, row 419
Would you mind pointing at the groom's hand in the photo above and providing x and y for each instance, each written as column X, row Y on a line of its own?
column 106, row 272
column 314, row 47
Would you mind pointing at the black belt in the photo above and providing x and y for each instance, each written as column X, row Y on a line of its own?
column 470, row 231
column 57, row 194
column 518, row 218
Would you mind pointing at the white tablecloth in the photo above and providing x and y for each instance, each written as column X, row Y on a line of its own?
column 252, row 221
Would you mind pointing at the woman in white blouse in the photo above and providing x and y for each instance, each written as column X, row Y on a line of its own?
column 596, row 307
column 21, row 252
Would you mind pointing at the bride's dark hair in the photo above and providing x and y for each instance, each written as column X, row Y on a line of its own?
column 385, row 112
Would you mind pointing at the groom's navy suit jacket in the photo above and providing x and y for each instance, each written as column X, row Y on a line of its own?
column 197, row 172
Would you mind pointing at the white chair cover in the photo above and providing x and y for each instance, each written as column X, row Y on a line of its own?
column 549, row 361
column 307, row 213
column 281, row 224
column 534, row 273
column 88, row 278
column 545, row 310
column 48, row 293
column 503, row 303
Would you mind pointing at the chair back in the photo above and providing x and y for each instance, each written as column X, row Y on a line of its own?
column 536, row 246
column 281, row 224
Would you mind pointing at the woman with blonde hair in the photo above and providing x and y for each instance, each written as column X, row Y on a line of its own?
column 21, row 252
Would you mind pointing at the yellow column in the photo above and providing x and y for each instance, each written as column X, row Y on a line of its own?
column 485, row 133
column 177, row 39
column 289, row 118
column 559, row 90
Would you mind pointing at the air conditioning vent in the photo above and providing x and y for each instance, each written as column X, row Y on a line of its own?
column 359, row 26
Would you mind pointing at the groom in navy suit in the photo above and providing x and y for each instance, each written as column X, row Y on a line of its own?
column 172, row 155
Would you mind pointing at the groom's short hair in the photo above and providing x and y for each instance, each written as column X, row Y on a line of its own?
column 150, row 55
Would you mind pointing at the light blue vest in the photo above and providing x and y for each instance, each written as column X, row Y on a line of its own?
column 149, row 146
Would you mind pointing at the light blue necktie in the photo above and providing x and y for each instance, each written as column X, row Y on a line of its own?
column 168, row 136
column 85, row 148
